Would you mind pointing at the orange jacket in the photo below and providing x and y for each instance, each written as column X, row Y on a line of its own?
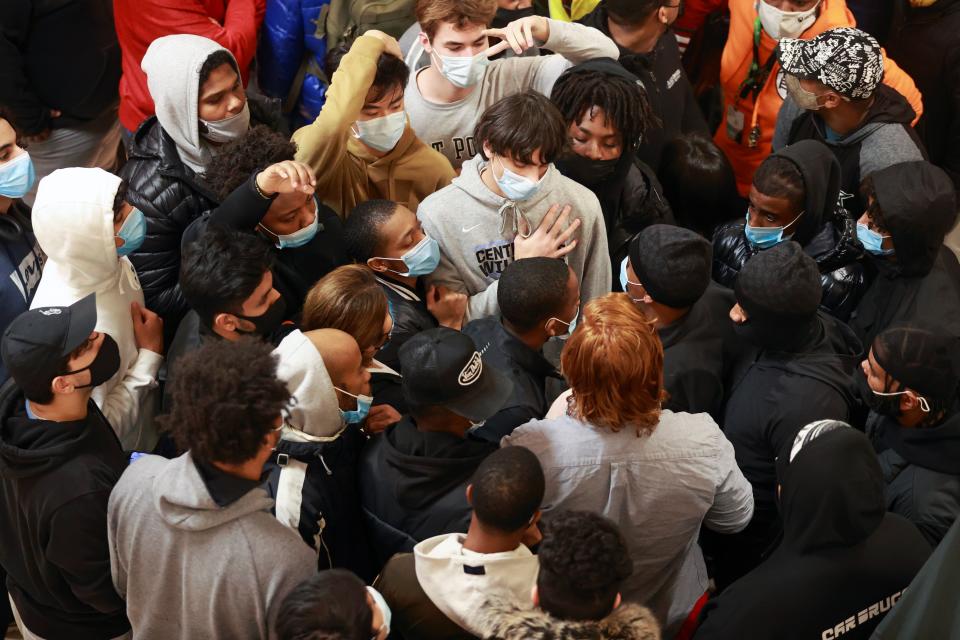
column 734, row 65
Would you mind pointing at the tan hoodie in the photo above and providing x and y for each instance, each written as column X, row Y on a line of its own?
column 347, row 172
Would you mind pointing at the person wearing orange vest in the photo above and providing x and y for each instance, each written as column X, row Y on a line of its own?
column 752, row 79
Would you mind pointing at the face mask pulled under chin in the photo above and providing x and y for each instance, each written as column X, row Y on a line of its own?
column 228, row 129
column 785, row 24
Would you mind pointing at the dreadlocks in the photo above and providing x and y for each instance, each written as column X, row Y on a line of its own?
column 624, row 103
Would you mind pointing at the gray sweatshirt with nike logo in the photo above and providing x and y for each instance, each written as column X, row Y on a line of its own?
column 476, row 228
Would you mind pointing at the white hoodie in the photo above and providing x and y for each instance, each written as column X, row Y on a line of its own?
column 172, row 65
column 315, row 416
column 459, row 581
column 73, row 223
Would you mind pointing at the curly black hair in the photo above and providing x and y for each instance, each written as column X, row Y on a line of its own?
column 226, row 398
column 583, row 561
column 868, row 193
column 255, row 150
column 624, row 103
column 216, row 59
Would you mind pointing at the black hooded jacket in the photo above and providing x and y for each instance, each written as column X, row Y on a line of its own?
column 413, row 485
column 631, row 197
column 171, row 196
column 775, row 394
column 922, row 282
column 843, row 561
column 921, row 469
column 55, row 481
column 825, row 230
column 923, row 42
column 668, row 89
column 884, row 138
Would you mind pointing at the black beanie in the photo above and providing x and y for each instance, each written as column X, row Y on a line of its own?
column 781, row 283
column 672, row 263
column 924, row 360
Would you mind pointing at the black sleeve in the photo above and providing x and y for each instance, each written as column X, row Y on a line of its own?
column 29, row 113
column 243, row 208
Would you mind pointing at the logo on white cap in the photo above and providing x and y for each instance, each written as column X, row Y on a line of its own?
column 471, row 372
column 52, row 311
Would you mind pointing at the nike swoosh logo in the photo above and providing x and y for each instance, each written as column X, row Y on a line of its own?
column 469, row 229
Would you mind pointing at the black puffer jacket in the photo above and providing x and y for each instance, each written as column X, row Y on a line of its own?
column 170, row 196
column 835, row 244
column 921, row 470
column 826, row 232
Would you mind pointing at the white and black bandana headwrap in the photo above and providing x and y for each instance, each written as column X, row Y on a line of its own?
column 847, row 60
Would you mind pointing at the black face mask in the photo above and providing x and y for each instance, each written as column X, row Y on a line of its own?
column 882, row 405
column 586, row 171
column 503, row 17
column 268, row 322
column 104, row 366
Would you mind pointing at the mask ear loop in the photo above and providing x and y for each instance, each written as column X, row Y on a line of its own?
column 924, row 405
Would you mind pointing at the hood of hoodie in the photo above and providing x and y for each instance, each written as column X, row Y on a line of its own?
column 31, row 447
column 316, row 415
column 832, row 492
column 506, row 620
column 821, row 180
column 889, row 107
column 832, row 356
column 185, row 503
column 172, row 65
column 425, row 467
column 919, row 206
column 509, row 212
column 73, row 222
column 458, row 582
column 935, row 448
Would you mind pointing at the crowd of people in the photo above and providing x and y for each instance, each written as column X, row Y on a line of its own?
column 497, row 319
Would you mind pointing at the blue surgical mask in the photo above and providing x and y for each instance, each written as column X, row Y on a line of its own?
column 384, row 609
column 421, row 260
column 17, row 176
column 516, row 187
column 766, row 237
column 383, row 133
column 624, row 281
column 358, row 415
column 872, row 241
column 132, row 232
column 463, row 71
column 298, row 238
column 570, row 325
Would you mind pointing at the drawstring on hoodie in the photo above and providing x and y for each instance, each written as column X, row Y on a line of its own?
column 517, row 213
column 126, row 269
column 324, row 463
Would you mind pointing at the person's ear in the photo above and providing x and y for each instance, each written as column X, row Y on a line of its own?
column 487, row 151
column 536, row 518
column 535, row 595
column 617, row 601
column 551, row 327
column 226, row 322
column 647, row 299
column 832, row 100
column 662, row 15
column 470, row 494
column 376, row 264
column 62, row 385
column 425, row 42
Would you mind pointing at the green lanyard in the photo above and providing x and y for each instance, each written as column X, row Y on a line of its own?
column 757, row 76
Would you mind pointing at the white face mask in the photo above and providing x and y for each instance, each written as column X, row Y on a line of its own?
column 228, row 129
column 785, row 24
column 382, row 133
column 463, row 71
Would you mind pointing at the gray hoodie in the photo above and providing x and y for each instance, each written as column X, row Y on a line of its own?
column 191, row 569
column 476, row 228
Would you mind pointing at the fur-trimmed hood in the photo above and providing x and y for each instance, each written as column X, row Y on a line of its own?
column 506, row 621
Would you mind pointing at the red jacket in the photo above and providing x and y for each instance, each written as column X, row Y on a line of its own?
column 231, row 23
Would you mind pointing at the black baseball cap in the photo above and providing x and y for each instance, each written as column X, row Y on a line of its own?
column 442, row 367
column 38, row 342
